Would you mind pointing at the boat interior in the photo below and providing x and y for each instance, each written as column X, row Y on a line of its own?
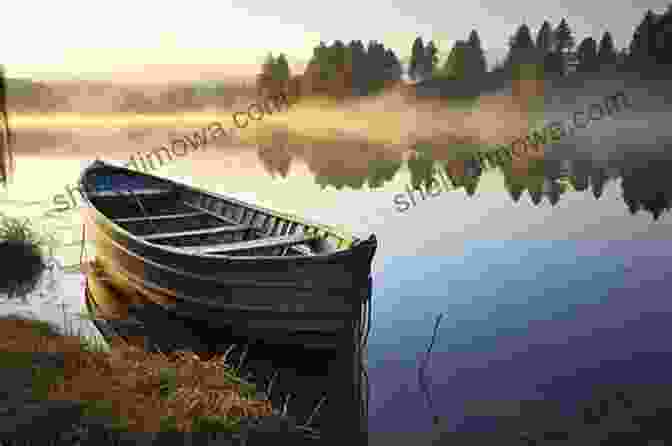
column 177, row 217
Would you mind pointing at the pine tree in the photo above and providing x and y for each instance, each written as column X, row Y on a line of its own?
column 564, row 42
column 587, row 54
column 282, row 72
column 545, row 41
column 563, row 37
column 338, row 52
column 607, row 53
column 392, row 65
column 322, row 57
column 417, row 57
column 662, row 45
column 456, row 63
column 477, row 63
column 376, row 63
column 642, row 40
column 521, row 46
column 359, row 67
column 431, row 59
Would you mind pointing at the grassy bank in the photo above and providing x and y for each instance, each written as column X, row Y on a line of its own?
column 143, row 392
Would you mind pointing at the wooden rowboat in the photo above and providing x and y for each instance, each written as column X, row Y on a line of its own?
column 205, row 256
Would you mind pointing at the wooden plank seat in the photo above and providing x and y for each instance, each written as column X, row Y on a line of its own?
column 210, row 213
column 267, row 242
column 158, row 217
column 206, row 231
column 127, row 194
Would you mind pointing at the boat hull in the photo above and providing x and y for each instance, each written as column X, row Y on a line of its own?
column 279, row 298
column 157, row 313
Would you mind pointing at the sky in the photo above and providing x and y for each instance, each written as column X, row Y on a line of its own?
column 131, row 39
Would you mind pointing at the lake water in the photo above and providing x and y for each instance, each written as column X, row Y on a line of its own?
column 539, row 301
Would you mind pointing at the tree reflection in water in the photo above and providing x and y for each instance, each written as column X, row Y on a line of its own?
column 645, row 179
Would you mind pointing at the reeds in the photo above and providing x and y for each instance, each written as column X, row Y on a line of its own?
column 22, row 252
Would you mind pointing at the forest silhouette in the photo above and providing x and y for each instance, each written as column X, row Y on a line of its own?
column 339, row 70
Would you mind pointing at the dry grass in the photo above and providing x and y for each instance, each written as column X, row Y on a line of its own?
column 146, row 392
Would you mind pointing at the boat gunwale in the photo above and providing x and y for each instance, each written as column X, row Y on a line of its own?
column 98, row 164
column 176, row 252
column 227, row 282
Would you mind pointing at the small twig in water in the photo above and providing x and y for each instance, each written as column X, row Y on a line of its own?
column 284, row 406
column 317, row 408
column 270, row 384
column 422, row 379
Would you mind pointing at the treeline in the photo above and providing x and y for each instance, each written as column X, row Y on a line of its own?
column 552, row 49
column 337, row 70
column 652, row 41
column 353, row 70
column 466, row 59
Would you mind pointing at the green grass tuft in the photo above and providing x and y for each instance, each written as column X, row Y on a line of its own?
column 167, row 377
column 215, row 424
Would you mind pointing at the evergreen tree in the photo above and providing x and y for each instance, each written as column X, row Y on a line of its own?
column 606, row 54
column 522, row 39
column 359, row 67
column 417, row 57
column 431, row 59
column 319, row 57
column 376, row 64
column 455, row 65
column 521, row 46
column 563, row 37
column 556, row 61
column 330, row 64
column 545, row 41
column 322, row 59
column 477, row 64
column 662, row 45
column 338, row 52
column 392, row 65
column 282, row 72
column 587, row 54
column 643, row 40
